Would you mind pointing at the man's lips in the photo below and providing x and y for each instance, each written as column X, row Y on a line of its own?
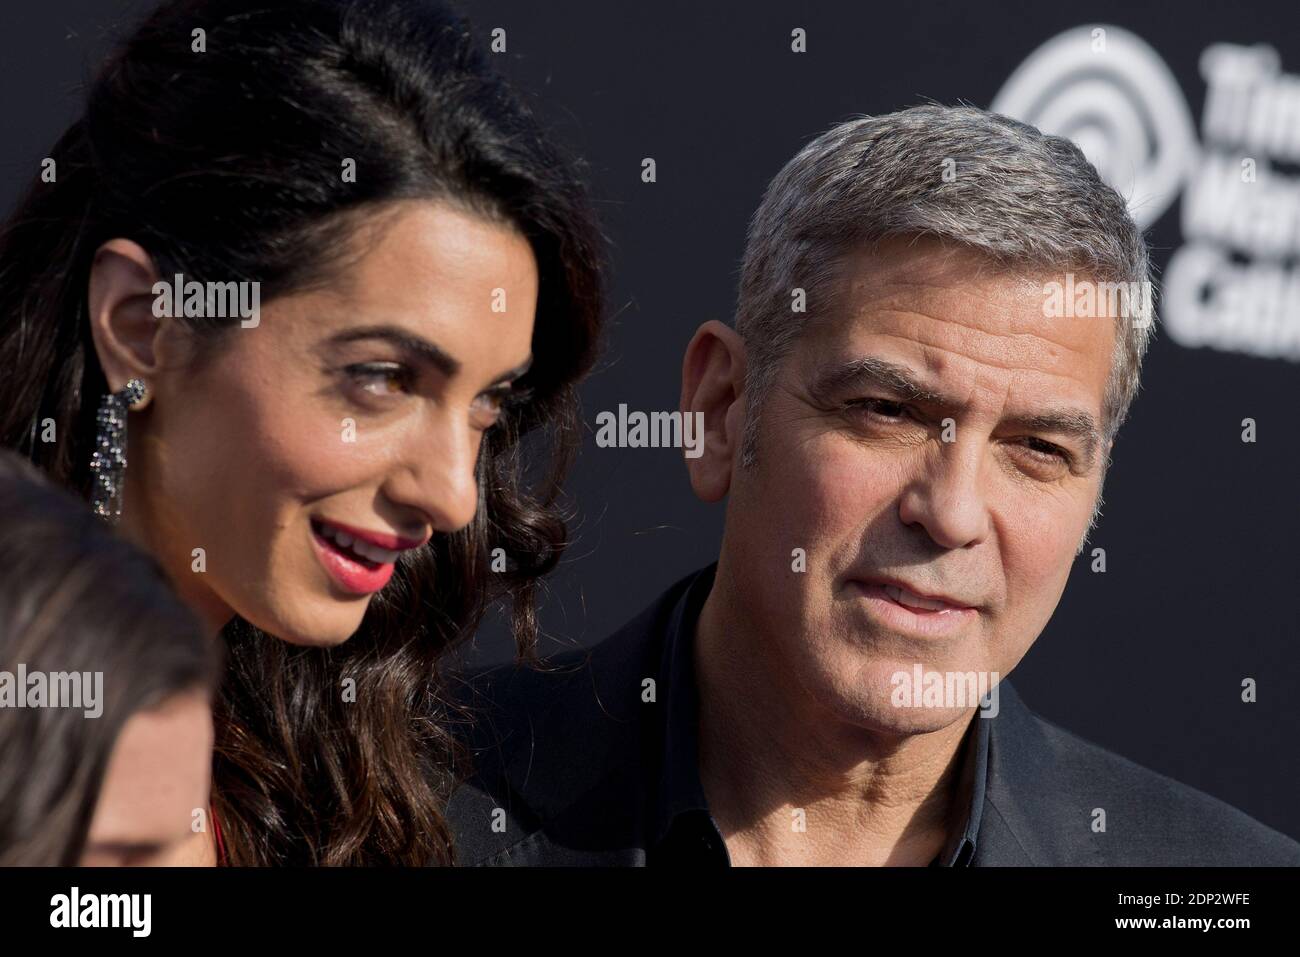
column 913, row 598
column 902, row 609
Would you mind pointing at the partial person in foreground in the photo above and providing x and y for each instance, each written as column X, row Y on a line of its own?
column 106, row 683
column 910, row 465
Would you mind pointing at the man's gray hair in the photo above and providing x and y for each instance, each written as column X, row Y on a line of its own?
column 1026, row 200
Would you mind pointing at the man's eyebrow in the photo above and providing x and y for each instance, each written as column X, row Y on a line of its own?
column 901, row 382
column 1075, row 423
column 897, row 379
column 408, row 341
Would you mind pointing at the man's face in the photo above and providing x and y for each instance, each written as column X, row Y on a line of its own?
column 866, row 476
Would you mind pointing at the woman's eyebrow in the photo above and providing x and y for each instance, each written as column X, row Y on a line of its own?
column 409, row 342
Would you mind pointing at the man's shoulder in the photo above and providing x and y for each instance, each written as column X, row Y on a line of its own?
column 557, row 776
column 1069, row 800
column 547, row 740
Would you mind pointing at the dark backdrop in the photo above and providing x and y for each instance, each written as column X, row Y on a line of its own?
column 1200, row 529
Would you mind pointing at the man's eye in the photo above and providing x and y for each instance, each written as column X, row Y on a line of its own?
column 382, row 379
column 879, row 408
column 1046, row 450
column 889, row 411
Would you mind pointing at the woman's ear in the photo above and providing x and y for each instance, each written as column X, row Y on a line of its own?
column 120, row 300
column 713, row 405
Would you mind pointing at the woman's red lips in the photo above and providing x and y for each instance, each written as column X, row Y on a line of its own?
column 394, row 543
column 358, row 560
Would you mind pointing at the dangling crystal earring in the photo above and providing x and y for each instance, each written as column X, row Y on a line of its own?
column 108, row 462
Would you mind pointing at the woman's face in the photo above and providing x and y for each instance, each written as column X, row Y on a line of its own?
column 280, row 477
column 157, row 778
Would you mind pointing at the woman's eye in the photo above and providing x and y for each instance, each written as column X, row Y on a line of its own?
column 493, row 406
column 489, row 407
column 381, row 379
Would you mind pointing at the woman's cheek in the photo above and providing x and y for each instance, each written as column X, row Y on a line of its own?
column 303, row 439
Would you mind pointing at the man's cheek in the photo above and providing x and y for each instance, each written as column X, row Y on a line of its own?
column 1035, row 584
column 846, row 493
column 808, row 514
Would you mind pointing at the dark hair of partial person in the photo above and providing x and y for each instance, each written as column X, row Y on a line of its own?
column 76, row 598
column 225, row 165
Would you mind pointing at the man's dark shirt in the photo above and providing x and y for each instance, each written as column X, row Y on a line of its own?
column 683, row 831
column 594, row 761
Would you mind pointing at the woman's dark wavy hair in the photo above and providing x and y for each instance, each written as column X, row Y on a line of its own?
column 225, row 165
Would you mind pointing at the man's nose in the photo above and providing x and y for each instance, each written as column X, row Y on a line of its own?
column 947, row 496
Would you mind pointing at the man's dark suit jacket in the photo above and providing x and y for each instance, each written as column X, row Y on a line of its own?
column 575, row 766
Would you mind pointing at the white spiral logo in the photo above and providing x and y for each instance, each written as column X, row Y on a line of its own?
column 1110, row 93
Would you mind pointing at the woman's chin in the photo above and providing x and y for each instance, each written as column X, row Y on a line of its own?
column 324, row 629
column 317, row 640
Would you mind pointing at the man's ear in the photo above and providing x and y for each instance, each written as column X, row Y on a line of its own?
column 120, row 301
column 713, row 393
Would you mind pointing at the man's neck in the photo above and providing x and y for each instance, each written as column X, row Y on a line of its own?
column 789, row 782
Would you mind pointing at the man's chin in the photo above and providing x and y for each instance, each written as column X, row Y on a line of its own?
column 907, row 697
column 881, row 717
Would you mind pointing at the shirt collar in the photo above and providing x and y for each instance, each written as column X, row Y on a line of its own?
column 681, row 790
column 970, row 795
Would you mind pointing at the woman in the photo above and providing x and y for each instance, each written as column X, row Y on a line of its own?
column 106, row 682
column 325, row 272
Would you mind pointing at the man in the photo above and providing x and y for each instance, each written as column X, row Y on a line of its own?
column 941, row 325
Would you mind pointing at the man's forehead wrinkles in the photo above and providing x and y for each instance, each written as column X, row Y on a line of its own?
column 989, row 315
column 935, row 354
column 916, row 319
column 935, row 302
